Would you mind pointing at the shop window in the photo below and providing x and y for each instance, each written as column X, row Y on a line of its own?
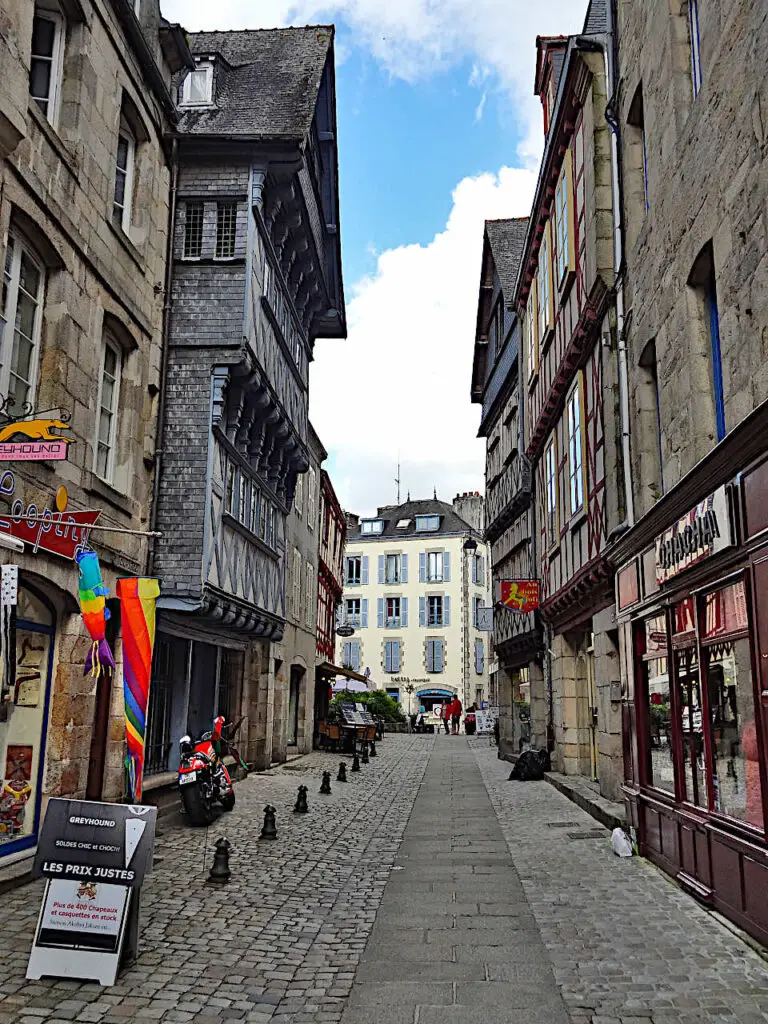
column 655, row 672
column 688, row 683
column 23, row 728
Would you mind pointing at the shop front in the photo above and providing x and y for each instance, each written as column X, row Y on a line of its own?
column 693, row 612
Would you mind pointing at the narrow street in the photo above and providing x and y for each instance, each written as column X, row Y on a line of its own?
column 429, row 889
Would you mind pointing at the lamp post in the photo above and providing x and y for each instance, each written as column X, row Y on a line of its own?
column 469, row 547
column 409, row 690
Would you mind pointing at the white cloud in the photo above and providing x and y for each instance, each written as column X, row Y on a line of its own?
column 400, row 383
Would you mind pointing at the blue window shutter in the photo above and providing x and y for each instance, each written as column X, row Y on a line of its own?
column 404, row 612
column 380, row 612
column 381, row 568
column 422, row 611
column 446, row 611
column 364, row 571
column 422, row 567
column 364, row 613
column 356, row 655
column 479, row 656
column 438, row 655
column 446, row 567
column 396, row 656
column 340, row 615
column 474, row 568
column 387, row 655
column 430, row 655
column 346, row 656
column 404, row 568
column 482, row 571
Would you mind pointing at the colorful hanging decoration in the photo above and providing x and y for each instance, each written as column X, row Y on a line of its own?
column 138, row 596
column 93, row 608
column 9, row 594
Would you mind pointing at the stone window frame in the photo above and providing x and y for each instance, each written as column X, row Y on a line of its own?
column 109, row 343
column 17, row 246
column 50, row 11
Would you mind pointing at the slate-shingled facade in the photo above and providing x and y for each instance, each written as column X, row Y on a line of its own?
column 256, row 280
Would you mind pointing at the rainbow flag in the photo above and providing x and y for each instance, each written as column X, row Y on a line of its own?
column 138, row 596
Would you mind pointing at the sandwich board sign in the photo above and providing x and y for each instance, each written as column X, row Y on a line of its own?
column 94, row 857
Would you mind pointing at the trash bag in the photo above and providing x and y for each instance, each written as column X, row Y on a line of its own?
column 530, row 766
column 621, row 844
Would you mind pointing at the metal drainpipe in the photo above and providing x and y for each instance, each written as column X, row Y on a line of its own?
column 158, row 454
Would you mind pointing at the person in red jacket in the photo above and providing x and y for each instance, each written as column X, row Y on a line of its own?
column 445, row 717
column 456, row 709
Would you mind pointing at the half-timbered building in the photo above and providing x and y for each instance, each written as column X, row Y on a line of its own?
column 256, row 280
column 330, row 585
column 564, row 300
column 496, row 386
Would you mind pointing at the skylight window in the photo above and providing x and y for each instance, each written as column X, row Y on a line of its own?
column 403, row 524
column 372, row 526
column 427, row 524
column 197, row 87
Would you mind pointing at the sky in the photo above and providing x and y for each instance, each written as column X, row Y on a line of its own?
column 438, row 130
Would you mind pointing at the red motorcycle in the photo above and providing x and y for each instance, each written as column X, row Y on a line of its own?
column 203, row 777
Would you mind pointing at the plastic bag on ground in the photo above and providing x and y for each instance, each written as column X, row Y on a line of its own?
column 530, row 766
column 621, row 843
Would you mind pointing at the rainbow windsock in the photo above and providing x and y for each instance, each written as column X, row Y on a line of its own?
column 93, row 608
column 137, row 615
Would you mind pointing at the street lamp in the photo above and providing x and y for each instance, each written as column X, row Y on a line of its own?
column 469, row 547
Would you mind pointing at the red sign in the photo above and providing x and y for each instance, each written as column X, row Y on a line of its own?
column 520, row 595
column 61, row 533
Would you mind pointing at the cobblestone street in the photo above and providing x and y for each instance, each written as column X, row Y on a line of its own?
column 478, row 906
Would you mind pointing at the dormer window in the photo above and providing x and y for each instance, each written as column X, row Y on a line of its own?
column 427, row 524
column 197, row 87
column 372, row 526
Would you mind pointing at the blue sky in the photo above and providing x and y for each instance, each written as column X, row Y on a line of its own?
column 438, row 130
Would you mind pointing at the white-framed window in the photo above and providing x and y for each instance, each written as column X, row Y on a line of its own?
column 197, row 87
column 564, row 220
column 392, row 568
column 242, row 500
column 478, row 570
column 353, row 611
column 435, row 610
column 253, row 516
column 230, row 495
column 296, row 583
column 435, row 566
column 695, row 36
column 545, row 286
column 22, row 308
column 477, row 604
column 125, row 160
column 298, row 496
column 575, row 450
column 372, row 526
column 47, row 60
column 531, row 327
column 311, row 489
column 550, row 467
column 353, row 570
column 226, row 230
column 311, row 595
column 193, row 231
column 107, row 408
column 392, row 612
column 427, row 524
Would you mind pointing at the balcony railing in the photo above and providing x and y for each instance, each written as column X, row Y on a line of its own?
column 508, row 496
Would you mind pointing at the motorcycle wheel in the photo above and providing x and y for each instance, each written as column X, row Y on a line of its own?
column 199, row 810
column 228, row 802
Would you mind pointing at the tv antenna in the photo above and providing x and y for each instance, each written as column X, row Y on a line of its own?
column 397, row 480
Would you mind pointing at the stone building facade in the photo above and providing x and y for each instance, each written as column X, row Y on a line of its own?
column 496, row 386
column 85, row 95
column 692, row 576
column 330, row 584
column 256, row 280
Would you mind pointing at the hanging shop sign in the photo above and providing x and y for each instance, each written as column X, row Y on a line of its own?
column 701, row 533
column 94, row 857
column 520, row 595
column 345, row 631
column 58, row 531
column 28, row 439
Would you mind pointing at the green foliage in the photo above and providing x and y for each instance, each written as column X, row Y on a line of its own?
column 378, row 703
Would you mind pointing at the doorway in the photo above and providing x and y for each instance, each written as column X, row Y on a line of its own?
column 294, row 696
column 594, row 751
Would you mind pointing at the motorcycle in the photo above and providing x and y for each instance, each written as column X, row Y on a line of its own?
column 203, row 777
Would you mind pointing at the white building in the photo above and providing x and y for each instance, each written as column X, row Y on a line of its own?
column 415, row 580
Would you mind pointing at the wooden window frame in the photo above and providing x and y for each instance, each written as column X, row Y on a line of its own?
column 551, row 482
column 578, row 391
column 52, row 102
column 17, row 247
column 545, row 295
column 532, row 330
column 565, row 223
column 108, row 343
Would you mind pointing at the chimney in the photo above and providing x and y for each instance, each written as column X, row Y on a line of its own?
column 353, row 521
column 470, row 506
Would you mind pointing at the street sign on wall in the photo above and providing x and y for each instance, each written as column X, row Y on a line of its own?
column 485, row 619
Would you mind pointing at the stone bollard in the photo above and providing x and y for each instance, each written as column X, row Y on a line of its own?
column 301, row 806
column 364, row 758
column 269, row 828
column 355, row 763
column 220, row 872
column 373, row 748
column 325, row 785
column 342, row 776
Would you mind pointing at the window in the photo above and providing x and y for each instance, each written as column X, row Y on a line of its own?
column 550, row 467
column 311, row 595
column 636, row 138
column 242, row 499
column 648, row 408
column 575, row 450
column 435, row 656
column 435, row 611
column 706, row 320
column 109, row 396
column 46, row 60
column 263, row 517
column 545, row 287
column 693, row 30
column 22, row 305
column 393, row 612
column 353, row 611
column 479, row 657
column 137, row 12
column 232, row 489
column 193, row 231
column 427, row 524
column 353, row 570
column 271, row 537
column 230, row 684
column 296, row 579
column 391, row 655
column 477, row 604
column 197, row 87
column 392, row 569
column 564, row 220
column 226, row 230
column 437, row 567
column 531, row 327
column 124, row 165
column 351, row 655
column 298, row 494
column 253, row 521
column 372, row 526
column 478, row 570
column 311, row 488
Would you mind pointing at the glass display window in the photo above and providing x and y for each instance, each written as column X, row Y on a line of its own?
column 656, row 689
column 23, row 719
column 688, row 683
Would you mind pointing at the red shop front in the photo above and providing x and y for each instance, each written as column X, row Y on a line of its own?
column 693, row 613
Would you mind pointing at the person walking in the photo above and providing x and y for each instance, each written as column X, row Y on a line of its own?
column 455, row 707
column 445, row 715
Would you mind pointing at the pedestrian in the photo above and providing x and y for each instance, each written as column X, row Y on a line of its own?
column 455, row 714
column 445, row 715
column 470, row 721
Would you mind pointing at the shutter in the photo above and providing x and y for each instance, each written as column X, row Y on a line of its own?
column 381, row 568
column 479, row 657
column 446, row 567
column 404, row 612
column 422, row 567
column 339, row 615
column 474, row 569
column 438, row 655
column 346, row 657
column 446, row 611
column 364, row 571
column 364, row 613
column 395, row 655
column 403, row 568
column 482, row 571
column 380, row 612
column 388, row 656
column 356, row 655
column 430, row 655
column 422, row 611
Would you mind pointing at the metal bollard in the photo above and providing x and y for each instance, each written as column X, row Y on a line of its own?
column 220, row 873
column 301, row 806
column 373, row 748
column 342, row 776
column 364, row 758
column 325, row 785
column 269, row 828
column 355, row 763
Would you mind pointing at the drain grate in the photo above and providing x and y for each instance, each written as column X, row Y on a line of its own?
column 562, row 824
column 587, row 835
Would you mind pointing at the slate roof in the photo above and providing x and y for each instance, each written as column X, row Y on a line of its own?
column 596, row 20
column 507, row 241
column 450, row 522
column 266, row 81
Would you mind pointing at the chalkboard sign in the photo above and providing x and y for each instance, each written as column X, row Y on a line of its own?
column 353, row 716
